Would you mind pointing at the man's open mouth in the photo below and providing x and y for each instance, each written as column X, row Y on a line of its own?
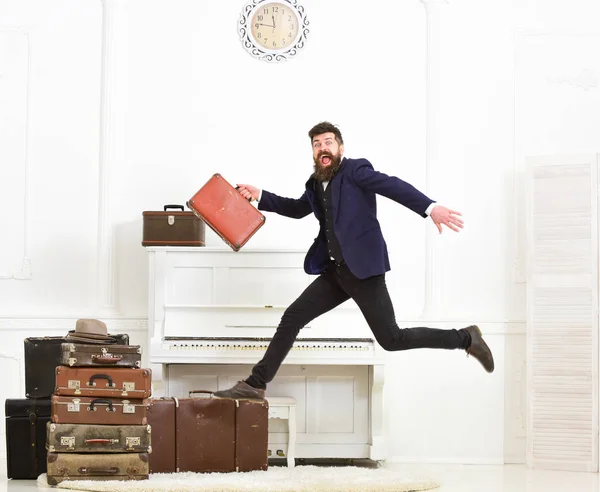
column 326, row 160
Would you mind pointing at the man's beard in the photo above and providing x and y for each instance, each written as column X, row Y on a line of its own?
column 326, row 173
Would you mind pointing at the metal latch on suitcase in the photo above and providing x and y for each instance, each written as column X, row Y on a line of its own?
column 67, row 441
column 132, row 441
column 128, row 407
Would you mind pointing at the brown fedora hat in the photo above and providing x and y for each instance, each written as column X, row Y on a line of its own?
column 89, row 326
column 88, row 330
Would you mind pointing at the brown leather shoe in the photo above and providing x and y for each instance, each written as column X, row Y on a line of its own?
column 241, row 391
column 479, row 348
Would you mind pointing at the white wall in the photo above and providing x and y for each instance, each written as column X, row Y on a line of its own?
column 183, row 99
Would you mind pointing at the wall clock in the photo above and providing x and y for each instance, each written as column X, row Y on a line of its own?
column 273, row 31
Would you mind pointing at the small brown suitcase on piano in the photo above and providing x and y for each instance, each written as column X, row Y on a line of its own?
column 226, row 212
column 108, row 411
column 84, row 355
column 112, row 382
column 96, row 466
column 168, row 228
column 91, row 438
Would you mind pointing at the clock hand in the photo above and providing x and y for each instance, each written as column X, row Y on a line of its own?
column 273, row 17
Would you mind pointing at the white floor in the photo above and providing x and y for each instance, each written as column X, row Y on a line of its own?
column 454, row 478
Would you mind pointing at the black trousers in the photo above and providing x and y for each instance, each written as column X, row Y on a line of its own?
column 333, row 287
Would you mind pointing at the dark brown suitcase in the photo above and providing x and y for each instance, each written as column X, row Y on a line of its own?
column 26, row 437
column 42, row 355
column 98, row 382
column 226, row 212
column 98, row 466
column 105, row 411
column 170, row 228
column 161, row 417
column 84, row 355
column 221, row 434
column 90, row 438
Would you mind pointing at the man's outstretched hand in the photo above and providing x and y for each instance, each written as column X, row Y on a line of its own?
column 450, row 218
column 249, row 192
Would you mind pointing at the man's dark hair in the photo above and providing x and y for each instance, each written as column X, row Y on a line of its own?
column 325, row 127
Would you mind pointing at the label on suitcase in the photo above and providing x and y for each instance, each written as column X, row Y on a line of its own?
column 26, row 421
column 226, row 212
column 84, row 355
column 119, row 382
column 106, row 411
column 88, row 438
column 161, row 417
column 96, row 466
column 42, row 355
column 170, row 228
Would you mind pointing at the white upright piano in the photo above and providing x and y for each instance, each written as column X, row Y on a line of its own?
column 212, row 312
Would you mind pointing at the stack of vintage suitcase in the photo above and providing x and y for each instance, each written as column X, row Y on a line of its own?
column 99, row 428
column 26, row 418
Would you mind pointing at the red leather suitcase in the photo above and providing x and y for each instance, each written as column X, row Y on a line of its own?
column 226, row 212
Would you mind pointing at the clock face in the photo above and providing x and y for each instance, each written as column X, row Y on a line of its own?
column 274, row 26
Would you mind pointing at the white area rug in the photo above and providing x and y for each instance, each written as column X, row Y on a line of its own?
column 275, row 479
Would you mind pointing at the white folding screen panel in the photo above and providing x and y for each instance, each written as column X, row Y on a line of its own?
column 562, row 312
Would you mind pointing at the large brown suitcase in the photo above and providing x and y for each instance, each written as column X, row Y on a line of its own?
column 168, row 228
column 96, row 466
column 221, row 434
column 226, row 212
column 161, row 417
column 106, row 411
column 84, row 355
column 208, row 434
column 90, row 438
column 98, row 382
column 42, row 355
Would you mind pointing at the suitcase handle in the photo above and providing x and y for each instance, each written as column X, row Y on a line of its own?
column 92, row 407
column 113, row 359
column 237, row 188
column 199, row 391
column 173, row 206
column 84, row 470
column 110, row 383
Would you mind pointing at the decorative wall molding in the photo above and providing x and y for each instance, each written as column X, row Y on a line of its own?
column 65, row 324
column 24, row 273
column 433, row 40
column 106, row 265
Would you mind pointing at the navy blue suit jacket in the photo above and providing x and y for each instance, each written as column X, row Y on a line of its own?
column 353, row 194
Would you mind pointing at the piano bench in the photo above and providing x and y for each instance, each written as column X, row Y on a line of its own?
column 284, row 407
